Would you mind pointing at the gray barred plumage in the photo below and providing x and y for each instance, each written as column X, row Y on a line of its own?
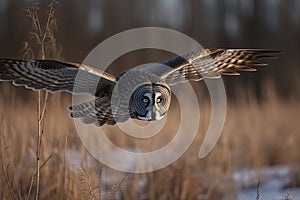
column 142, row 93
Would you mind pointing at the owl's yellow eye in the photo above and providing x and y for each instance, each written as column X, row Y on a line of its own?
column 145, row 100
column 158, row 100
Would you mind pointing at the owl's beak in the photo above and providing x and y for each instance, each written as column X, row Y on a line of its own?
column 155, row 115
column 152, row 115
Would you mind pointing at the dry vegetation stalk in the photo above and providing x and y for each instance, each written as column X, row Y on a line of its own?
column 44, row 40
column 5, row 173
column 258, row 190
column 89, row 186
column 117, row 188
column 64, row 169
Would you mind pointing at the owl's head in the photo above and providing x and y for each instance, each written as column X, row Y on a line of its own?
column 150, row 102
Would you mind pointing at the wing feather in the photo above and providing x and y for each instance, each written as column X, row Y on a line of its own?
column 97, row 112
column 213, row 63
column 56, row 76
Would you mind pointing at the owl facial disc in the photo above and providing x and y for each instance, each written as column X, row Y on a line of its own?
column 153, row 107
column 150, row 102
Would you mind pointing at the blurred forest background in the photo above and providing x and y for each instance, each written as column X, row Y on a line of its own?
column 272, row 24
column 262, row 127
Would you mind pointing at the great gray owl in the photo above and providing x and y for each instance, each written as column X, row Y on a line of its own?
column 145, row 91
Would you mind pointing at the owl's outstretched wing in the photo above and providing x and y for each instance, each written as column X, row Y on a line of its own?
column 98, row 112
column 213, row 63
column 56, row 76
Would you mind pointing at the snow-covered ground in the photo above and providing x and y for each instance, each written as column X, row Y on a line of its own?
column 272, row 183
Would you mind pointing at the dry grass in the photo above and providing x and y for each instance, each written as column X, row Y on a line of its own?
column 255, row 134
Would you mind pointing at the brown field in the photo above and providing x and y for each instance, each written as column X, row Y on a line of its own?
column 255, row 134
